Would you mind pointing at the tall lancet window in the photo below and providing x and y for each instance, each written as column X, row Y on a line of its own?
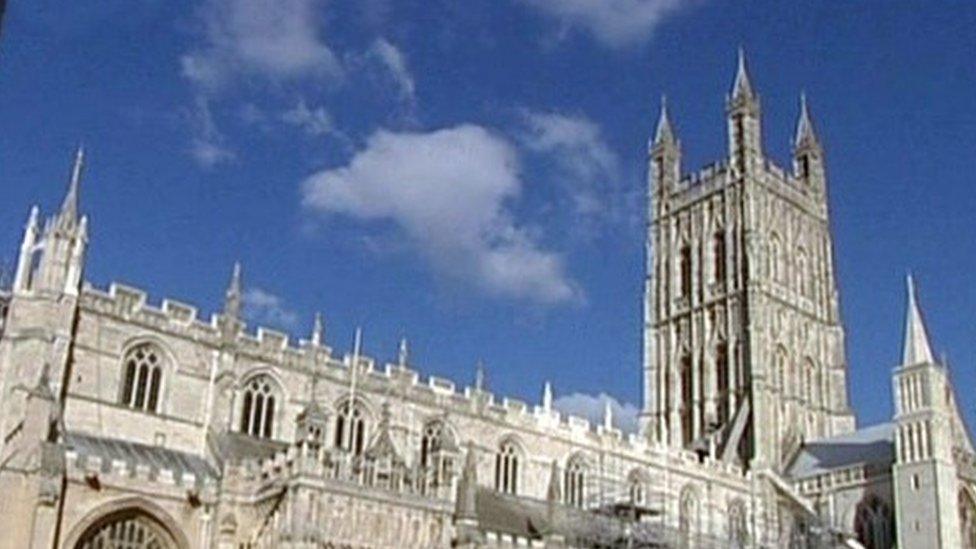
column 258, row 403
column 142, row 377
column 437, row 453
column 685, row 271
column 350, row 431
column 718, row 253
column 687, row 400
column 722, row 375
column 507, row 468
column 574, row 481
column 873, row 524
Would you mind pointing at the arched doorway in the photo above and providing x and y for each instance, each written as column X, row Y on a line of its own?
column 131, row 529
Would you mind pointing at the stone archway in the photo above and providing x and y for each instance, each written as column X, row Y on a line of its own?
column 126, row 524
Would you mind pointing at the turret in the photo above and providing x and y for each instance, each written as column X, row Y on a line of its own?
column 928, row 431
column 52, row 260
column 744, row 120
column 28, row 247
column 665, row 157
column 808, row 162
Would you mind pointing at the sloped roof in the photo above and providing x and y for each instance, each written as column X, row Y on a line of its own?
column 874, row 444
column 135, row 454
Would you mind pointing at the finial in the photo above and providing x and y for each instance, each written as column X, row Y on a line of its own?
column 232, row 299
column 403, row 353
column 479, row 376
column 742, row 87
column 804, row 126
column 69, row 208
column 547, row 397
column 917, row 349
column 607, row 414
column 664, row 133
column 317, row 330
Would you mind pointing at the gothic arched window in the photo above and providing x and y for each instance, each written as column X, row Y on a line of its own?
column 258, row 403
column 718, row 255
column 782, row 369
column 775, row 252
column 142, row 377
column 802, row 279
column 129, row 530
column 738, row 525
column 574, row 481
column 722, row 373
column 637, row 488
column 873, row 524
column 437, row 451
column 507, row 467
column 685, row 271
column 350, row 431
column 687, row 400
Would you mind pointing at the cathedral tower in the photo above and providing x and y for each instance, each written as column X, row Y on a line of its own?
column 743, row 343
column 929, row 433
column 35, row 362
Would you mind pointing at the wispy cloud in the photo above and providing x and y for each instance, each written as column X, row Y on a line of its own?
column 586, row 167
column 614, row 23
column 447, row 190
column 261, row 306
column 273, row 39
column 208, row 144
column 396, row 64
column 315, row 122
column 592, row 407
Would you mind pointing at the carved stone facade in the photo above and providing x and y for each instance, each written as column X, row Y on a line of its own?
column 132, row 423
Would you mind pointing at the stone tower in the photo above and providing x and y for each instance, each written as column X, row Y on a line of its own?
column 35, row 360
column 929, row 432
column 743, row 342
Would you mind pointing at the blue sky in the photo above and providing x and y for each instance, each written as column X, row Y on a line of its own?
column 469, row 175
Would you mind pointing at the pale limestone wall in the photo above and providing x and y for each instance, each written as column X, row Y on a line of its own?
column 110, row 322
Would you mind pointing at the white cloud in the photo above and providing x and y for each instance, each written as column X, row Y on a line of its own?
column 576, row 141
column 396, row 63
column 314, row 122
column 262, row 306
column 589, row 168
column 447, row 191
column 275, row 39
column 615, row 23
column 591, row 407
column 207, row 146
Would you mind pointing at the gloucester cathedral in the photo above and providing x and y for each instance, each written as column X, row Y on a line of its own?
column 133, row 422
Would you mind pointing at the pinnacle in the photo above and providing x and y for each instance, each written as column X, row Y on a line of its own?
column 917, row 349
column 742, row 87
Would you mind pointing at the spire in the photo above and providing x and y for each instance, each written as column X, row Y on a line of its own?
column 479, row 376
column 917, row 348
column 69, row 208
column 664, row 133
column 547, row 397
column 607, row 415
column 742, row 87
column 233, row 297
column 318, row 330
column 465, row 505
column 804, row 126
column 553, row 493
column 403, row 353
